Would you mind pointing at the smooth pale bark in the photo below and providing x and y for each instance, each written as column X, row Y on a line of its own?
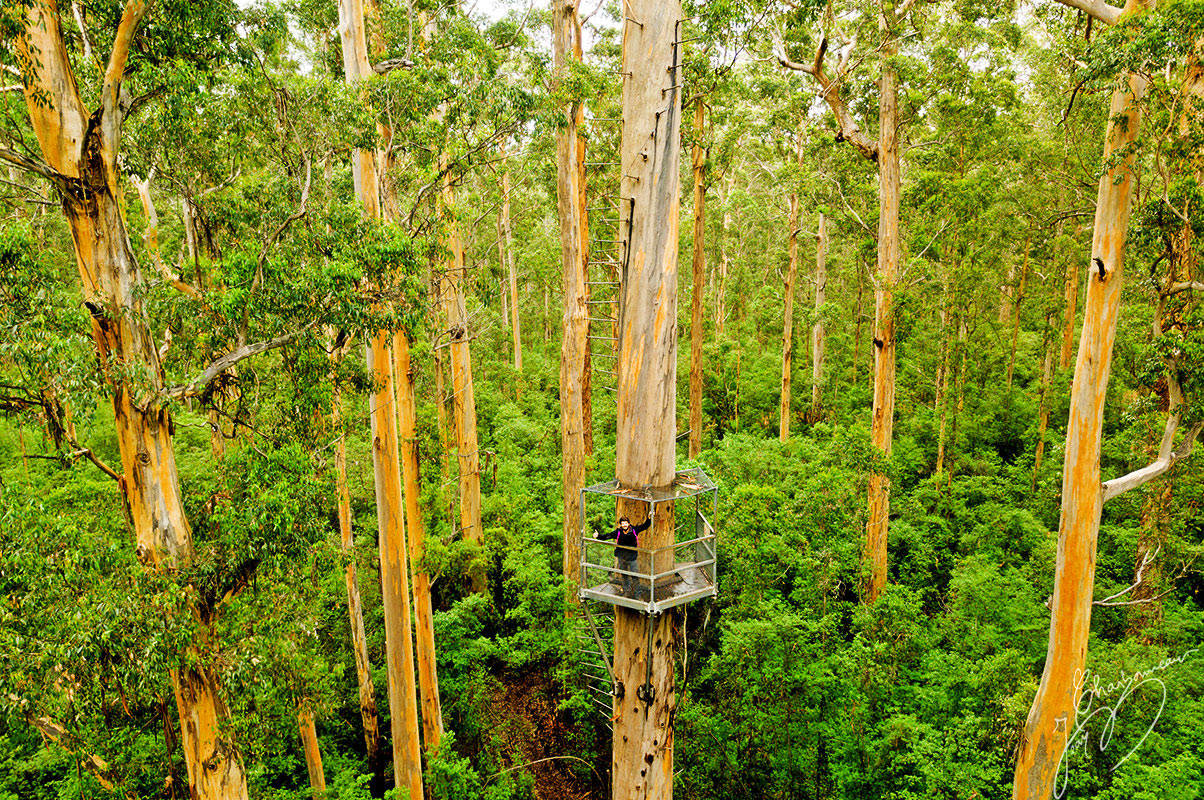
column 313, row 755
column 642, row 761
column 817, row 328
column 355, row 611
column 80, row 150
column 883, row 420
column 1052, row 718
column 575, row 326
column 464, row 403
column 382, row 409
column 428, row 679
column 505, row 241
column 698, row 158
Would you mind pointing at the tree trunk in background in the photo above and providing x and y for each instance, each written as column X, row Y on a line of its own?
column 464, row 404
column 942, row 379
column 642, row 762
column 788, row 305
column 575, row 326
column 857, row 314
column 313, row 755
column 882, row 426
column 1016, row 301
column 1053, row 715
column 399, row 652
column 506, row 244
column 83, row 150
column 817, row 328
column 407, row 413
column 721, row 288
column 441, row 416
column 359, row 638
column 959, row 390
column 699, row 268
column 1043, row 412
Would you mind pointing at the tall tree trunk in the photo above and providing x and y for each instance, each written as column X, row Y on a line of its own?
column 699, row 266
column 566, row 30
column 359, row 638
column 428, row 679
column 882, row 425
column 959, row 389
column 642, row 762
column 817, row 328
column 506, row 236
column 81, row 152
column 382, row 405
column 464, row 403
column 788, row 305
column 1052, row 717
column 441, row 415
column 587, row 367
column 313, row 755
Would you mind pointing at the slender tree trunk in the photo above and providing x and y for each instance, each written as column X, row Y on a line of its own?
column 642, row 763
column 81, row 149
column 942, row 379
column 817, row 328
column 1043, row 411
column 882, row 426
column 313, row 755
column 359, row 638
column 428, row 679
column 399, row 648
column 441, row 417
column 857, row 315
column 587, row 367
column 959, row 389
column 788, row 306
column 1016, row 301
column 699, row 267
column 566, row 29
column 516, row 327
column 464, row 404
column 1052, row 718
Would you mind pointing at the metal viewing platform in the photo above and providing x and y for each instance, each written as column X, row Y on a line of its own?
column 684, row 571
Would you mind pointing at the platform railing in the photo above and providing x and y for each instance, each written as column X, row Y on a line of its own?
column 694, row 565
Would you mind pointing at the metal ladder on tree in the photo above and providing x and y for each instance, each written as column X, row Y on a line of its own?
column 602, row 272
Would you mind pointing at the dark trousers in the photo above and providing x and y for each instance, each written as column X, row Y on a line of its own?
column 625, row 559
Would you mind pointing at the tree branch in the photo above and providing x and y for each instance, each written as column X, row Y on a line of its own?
column 1166, row 459
column 198, row 384
column 1178, row 288
column 28, row 164
column 1097, row 9
column 134, row 11
column 847, row 128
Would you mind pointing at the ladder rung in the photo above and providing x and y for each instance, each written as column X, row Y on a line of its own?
column 600, row 319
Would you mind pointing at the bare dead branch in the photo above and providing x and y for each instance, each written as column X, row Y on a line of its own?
column 1179, row 288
